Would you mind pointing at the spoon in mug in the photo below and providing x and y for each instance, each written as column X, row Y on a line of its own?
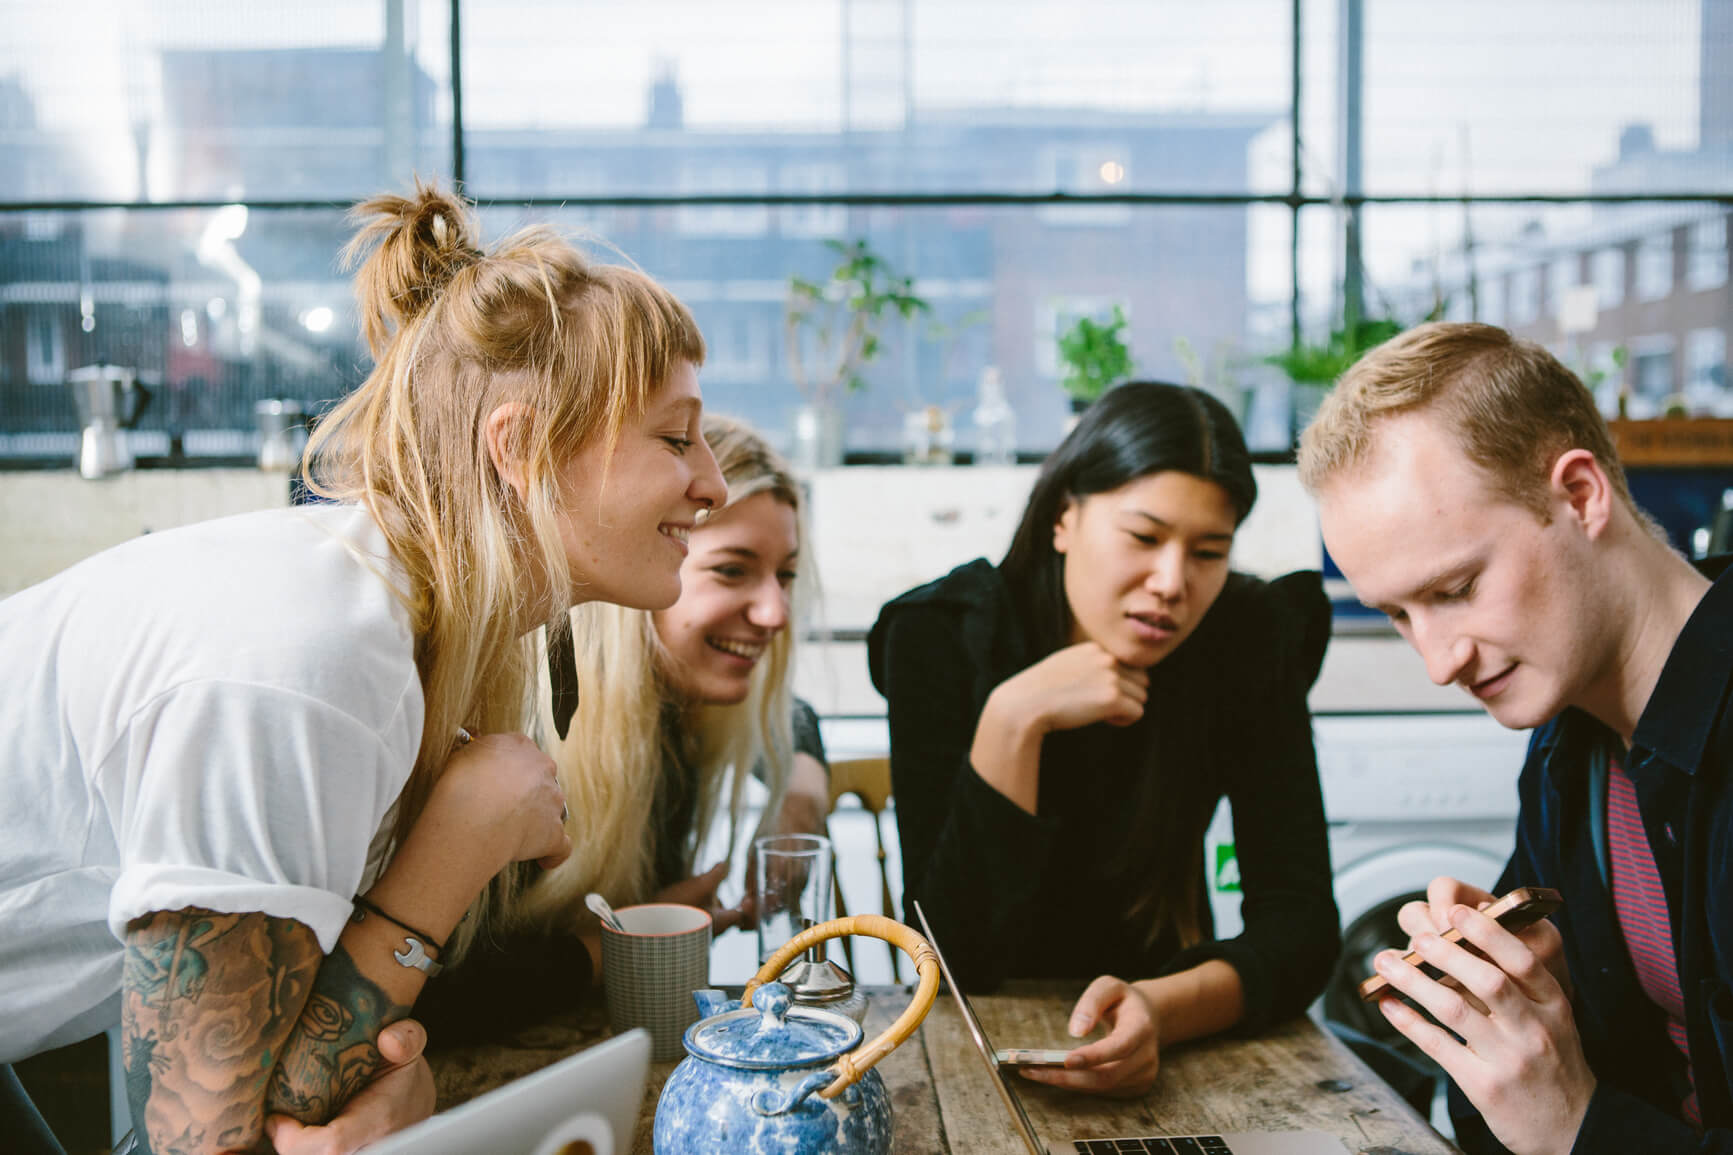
column 603, row 911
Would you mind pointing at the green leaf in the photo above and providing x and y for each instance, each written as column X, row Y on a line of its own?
column 1094, row 355
column 1324, row 364
column 845, row 312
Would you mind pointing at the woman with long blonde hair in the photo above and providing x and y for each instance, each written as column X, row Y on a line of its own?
column 262, row 767
column 674, row 708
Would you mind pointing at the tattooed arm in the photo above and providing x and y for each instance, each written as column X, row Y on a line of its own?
column 207, row 1001
column 331, row 1054
column 228, row 1016
column 224, row 1013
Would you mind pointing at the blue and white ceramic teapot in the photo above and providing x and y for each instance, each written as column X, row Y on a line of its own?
column 771, row 1076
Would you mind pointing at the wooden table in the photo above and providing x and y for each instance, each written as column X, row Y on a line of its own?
column 1295, row 1078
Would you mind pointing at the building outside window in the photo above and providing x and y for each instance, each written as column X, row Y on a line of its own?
column 1097, row 167
column 1707, row 266
column 723, row 220
column 1655, row 267
column 1524, row 296
column 1651, row 372
column 1706, row 371
column 1562, row 277
column 1604, row 376
column 1610, row 278
column 812, row 220
column 738, row 347
column 1491, row 308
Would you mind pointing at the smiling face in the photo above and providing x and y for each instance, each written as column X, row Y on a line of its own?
column 627, row 513
column 734, row 599
column 1492, row 598
column 1144, row 562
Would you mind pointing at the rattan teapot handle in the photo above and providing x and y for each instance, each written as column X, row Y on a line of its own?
column 858, row 1062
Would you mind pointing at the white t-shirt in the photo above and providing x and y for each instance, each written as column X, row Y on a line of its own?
column 218, row 716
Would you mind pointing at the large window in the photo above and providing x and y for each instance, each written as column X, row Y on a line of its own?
column 1655, row 267
column 1610, row 277
column 173, row 188
column 1707, row 266
column 1706, row 370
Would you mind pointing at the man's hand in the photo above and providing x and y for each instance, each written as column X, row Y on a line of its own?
column 1520, row 1060
column 400, row 1095
column 1125, row 1062
column 1444, row 894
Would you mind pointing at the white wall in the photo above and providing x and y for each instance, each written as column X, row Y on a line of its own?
column 50, row 520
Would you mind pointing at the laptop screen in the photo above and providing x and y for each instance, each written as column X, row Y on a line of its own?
column 979, row 1035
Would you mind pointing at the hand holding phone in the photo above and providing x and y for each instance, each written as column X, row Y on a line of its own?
column 1028, row 1057
column 1522, row 907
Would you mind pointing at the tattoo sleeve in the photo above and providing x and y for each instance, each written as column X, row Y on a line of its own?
column 226, row 1018
column 330, row 1056
column 207, row 1001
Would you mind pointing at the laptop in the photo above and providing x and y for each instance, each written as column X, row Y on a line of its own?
column 596, row 1089
column 1239, row 1143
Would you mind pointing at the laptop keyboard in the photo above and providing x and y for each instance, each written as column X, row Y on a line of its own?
column 1171, row 1145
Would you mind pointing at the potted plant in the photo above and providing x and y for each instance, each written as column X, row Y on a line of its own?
column 1314, row 368
column 833, row 330
column 1095, row 357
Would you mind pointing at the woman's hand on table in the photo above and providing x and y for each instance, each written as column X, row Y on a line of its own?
column 400, row 1095
column 1126, row 1062
column 700, row 891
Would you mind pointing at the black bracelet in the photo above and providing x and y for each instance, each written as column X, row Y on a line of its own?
column 373, row 908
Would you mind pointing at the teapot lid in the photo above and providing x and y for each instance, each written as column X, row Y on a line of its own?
column 772, row 1034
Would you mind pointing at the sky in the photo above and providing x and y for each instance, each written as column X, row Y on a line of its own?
column 1476, row 95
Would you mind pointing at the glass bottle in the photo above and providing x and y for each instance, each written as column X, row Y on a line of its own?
column 995, row 422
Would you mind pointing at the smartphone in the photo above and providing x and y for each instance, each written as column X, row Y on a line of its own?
column 1522, row 907
column 1026, row 1057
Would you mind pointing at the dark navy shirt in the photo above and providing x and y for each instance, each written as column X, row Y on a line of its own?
column 1680, row 762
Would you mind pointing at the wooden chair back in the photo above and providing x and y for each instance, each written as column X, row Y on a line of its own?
column 869, row 780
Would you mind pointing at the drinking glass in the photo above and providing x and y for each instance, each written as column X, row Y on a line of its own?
column 793, row 875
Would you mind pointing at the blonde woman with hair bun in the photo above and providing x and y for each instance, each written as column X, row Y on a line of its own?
column 260, row 768
column 669, row 702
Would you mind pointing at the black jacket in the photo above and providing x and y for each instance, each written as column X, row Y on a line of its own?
column 1680, row 762
column 1014, row 895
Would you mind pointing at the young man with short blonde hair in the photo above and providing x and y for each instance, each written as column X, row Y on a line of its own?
column 1468, row 487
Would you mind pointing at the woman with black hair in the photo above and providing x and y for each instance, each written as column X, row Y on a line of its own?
column 1064, row 724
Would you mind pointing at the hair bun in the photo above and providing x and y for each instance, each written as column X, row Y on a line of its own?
column 408, row 249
